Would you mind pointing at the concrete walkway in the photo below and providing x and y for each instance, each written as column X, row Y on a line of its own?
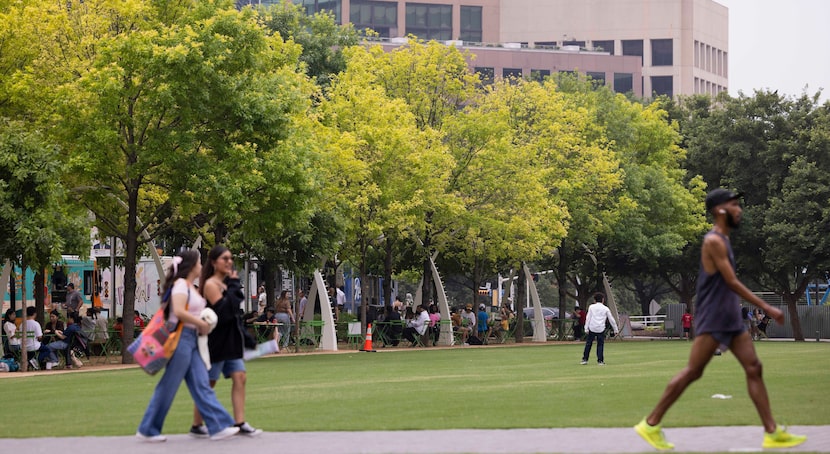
column 587, row 440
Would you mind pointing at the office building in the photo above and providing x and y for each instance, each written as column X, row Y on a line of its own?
column 682, row 45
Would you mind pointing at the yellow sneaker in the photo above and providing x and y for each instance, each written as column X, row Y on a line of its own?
column 654, row 435
column 782, row 439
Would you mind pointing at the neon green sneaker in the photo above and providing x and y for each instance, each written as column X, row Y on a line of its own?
column 782, row 439
column 654, row 435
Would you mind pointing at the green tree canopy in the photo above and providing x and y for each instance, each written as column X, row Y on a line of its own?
column 774, row 149
column 166, row 112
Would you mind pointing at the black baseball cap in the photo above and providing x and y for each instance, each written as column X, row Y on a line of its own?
column 717, row 196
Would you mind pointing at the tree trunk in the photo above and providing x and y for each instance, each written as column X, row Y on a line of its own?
column 40, row 297
column 426, row 290
column 364, row 288
column 791, row 299
column 520, row 304
column 24, row 361
column 562, row 286
column 13, row 291
column 387, row 273
column 130, row 252
column 476, row 284
column 686, row 293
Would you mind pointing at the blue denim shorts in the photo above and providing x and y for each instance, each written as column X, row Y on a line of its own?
column 226, row 368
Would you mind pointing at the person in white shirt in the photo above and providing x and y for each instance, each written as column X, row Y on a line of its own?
column 417, row 326
column 262, row 299
column 10, row 328
column 598, row 314
column 341, row 299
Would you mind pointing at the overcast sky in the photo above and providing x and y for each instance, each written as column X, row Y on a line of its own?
column 779, row 44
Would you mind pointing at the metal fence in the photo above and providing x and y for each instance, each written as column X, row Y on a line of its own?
column 815, row 321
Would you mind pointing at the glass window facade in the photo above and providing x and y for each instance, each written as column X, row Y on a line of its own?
column 381, row 17
column 662, row 85
column 429, row 21
column 471, row 29
column 315, row 6
column 513, row 73
column 539, row 75
column 662, row 53
column 605, row 46
column 633, row 47
column 623, row 82
column 597, row 78
column 486, row 75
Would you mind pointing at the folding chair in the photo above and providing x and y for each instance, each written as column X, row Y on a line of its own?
column 310, row 333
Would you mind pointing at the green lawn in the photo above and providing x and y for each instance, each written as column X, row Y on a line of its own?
column 512, row 387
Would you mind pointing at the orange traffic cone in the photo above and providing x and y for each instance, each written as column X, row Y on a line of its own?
column 367, row 344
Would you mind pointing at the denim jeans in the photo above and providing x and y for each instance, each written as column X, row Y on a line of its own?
column 58, row 345
column 186, row 364
column 285, row 328
column 600, row 337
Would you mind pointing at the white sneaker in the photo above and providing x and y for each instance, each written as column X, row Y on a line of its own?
column 225, row 433
column 150, row 438
column 583, row 362
column 51, row 364
column 248, row 430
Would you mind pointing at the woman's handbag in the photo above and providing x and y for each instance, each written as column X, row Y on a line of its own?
column 154, row 347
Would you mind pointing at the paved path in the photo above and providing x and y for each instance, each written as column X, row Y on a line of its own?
column 587, row 440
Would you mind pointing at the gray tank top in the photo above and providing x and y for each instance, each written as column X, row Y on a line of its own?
column 718, row 308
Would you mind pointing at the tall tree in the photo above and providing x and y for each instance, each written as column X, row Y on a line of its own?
column 35, row 220
column 508, row 215
column 389, row 175
column 659, row 209
column 323, row 40
column 434, row 82
column 166, row 112
column 774, row 149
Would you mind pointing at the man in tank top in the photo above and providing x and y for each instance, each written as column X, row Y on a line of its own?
column 719, row 323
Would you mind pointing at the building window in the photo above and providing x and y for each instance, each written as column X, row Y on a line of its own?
column 623, row 82
column 633, row 47
column 511, row 73
column 471, row 29
column 662, row 85
column 429, row 21
column 597, row 78
column 316, row 6
column 539, row 75
column 485, row 75
column 381, row 17
column 662, row 53
column 708, row 66
column 581, row 44
column 604, row 46
column 697, row 54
